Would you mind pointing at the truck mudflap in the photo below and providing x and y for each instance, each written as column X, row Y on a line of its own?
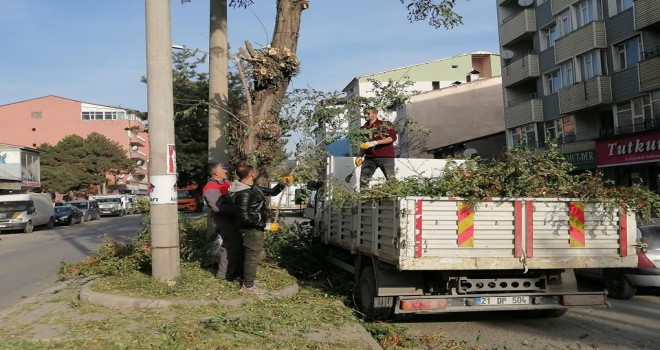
column 498, row 302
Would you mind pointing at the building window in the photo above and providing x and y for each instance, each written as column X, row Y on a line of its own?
column 563, row 24
column 586, row 12
column 592, row 64
column 524, row 135
column 561, row 129
column 34, row 129
column 630, row 115
column 435, row 85
column 622, row 5
column 36, row 115
column 103, row 115
column 549, row 36
column 552, row 82
column 627, row 54
column 567, row 73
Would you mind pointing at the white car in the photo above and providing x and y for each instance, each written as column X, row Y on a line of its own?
column 623, row 283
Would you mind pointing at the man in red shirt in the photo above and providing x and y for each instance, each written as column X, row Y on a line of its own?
column 223, row 218
column 378, row 153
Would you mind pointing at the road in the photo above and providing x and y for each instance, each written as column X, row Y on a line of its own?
column 628, row 324
column 29, row 262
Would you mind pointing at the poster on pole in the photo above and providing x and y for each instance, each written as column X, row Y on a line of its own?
column 171, row 159
column 162, row 189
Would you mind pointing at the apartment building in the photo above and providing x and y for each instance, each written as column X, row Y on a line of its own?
column 587, row 74
column 49, row 119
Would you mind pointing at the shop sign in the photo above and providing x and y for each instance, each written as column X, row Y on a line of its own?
column 628, row 150
column 582, row 160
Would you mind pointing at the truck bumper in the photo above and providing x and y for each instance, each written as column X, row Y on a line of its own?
column 498, row 302
column 7, row 226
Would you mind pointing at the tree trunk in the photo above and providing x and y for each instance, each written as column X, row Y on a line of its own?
column 263, row 134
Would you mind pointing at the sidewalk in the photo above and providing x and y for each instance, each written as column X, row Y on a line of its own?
column 73, row 316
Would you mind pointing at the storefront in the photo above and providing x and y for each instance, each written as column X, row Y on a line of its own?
column 631, row 159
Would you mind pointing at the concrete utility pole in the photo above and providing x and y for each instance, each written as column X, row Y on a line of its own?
column 218, row 83
column 162, row 170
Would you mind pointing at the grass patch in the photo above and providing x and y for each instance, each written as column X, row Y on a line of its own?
column 194, row 283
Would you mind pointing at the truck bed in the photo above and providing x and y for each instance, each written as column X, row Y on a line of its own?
column 422, row 233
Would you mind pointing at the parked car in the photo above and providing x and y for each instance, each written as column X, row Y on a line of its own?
column 68, row 215
column 89, row 208
column 189, row 199
column 623, row 283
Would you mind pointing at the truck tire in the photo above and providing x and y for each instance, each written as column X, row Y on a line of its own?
column 618, row 286
column 378, row 308
column 554, row 313
column 29, row 228
column 51, row 223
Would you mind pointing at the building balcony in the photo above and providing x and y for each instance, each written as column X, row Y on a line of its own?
column 139, row 171
column 560, row 5
column 521, row 70
column 135, row 154
column 585, row 94
column 647, row 14
column 528, row 109
column 648, row 70
column 136, row 141
column 586, row 38
column 518, row 26
column 646, row 125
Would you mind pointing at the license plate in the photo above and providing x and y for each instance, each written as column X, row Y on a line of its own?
column 518, row 300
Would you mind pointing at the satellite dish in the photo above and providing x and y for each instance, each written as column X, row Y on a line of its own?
column 138, row 162
column 119, row 176
column 134, row 147
column 507, row 54
column 525, row 3
column 470, row 152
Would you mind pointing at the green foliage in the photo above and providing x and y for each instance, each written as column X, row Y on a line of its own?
column 322, row 118
column 115, row 258
column 142, row 205
column 522, row 174
column 76, row 163
column 297, row 248
column 438, row 15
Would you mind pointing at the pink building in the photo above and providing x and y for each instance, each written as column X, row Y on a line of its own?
column 49, row 119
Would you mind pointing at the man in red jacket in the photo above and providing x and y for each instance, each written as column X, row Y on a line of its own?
column 223, row 218
column 378, row 153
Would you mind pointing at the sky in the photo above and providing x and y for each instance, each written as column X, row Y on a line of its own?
column 94, row 51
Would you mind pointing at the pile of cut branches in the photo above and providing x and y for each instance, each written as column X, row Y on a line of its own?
column 522, row 173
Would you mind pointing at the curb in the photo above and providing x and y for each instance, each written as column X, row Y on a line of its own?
column 126, row 302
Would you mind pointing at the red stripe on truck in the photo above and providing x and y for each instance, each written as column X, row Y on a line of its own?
column 517, row 239
column 623, row 236
column 418, row 228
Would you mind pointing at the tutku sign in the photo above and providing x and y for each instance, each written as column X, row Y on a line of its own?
column 628, row 150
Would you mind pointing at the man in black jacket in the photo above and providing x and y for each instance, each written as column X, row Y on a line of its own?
column 253, row 215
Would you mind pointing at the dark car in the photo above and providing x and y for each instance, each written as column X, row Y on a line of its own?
column 623, row 283
column 89, row 208
column 68, row 215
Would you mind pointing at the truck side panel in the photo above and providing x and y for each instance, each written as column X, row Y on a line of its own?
column 418, row 233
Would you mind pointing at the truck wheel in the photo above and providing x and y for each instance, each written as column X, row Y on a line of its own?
column 618, row 286
column 50, row 224
column 28, row 227
column 378, row 308
column 554, row 313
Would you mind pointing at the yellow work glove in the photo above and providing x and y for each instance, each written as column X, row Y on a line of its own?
column 272, row 226
column 287, row 180
column 358, row 161
column 367, row 145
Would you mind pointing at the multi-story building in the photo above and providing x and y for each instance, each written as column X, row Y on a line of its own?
column 49, row 119
column 587, row 74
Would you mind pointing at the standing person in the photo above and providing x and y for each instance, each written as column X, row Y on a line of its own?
column 223, row 219
column 378, row 153
column 253, row 215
